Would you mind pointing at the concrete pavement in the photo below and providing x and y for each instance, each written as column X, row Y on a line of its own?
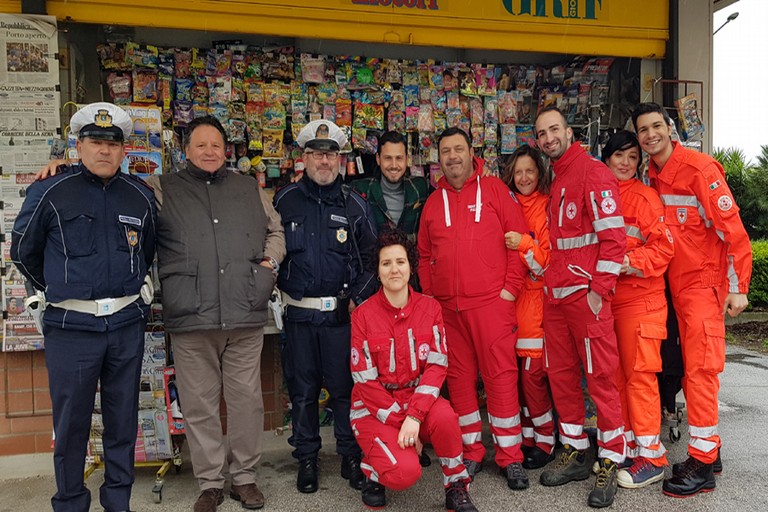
column 743, row 415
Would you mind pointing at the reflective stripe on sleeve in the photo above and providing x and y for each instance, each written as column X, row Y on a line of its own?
column 438, row 359
column 428, row 390
column 609, row 267
column 608, row 223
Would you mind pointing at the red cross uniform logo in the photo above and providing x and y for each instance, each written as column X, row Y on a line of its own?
column 355, row 356
column 608, row 205
column 682, row 215
column 423, row 351
column 725, row 203
column 570, row 210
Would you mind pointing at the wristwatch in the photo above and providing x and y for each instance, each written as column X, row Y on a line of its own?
column 272, row 263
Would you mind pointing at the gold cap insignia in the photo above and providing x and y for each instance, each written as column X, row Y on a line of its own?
column 102, row 119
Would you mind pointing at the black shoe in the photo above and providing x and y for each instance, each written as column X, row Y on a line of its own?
column 374, row 494
column 457, row 498
column 692, row 477
column 606, row 485
column 424, row 460
column 717, row 466
column 473, row 467
column 517, row 478
column 350, row 470
column 307, row 479
column 536, row 458
column 572, row 465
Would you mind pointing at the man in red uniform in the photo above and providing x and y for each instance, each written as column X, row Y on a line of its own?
column 708, row 275
column 588, row 245
column 466, row 267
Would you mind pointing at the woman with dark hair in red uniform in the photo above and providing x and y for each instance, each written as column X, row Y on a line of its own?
column 399, row 360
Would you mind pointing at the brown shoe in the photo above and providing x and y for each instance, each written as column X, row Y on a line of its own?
column 208, row 500
column 248, row 495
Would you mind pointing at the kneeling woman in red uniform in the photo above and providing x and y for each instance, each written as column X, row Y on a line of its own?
column 640, row 313
column 399, row 360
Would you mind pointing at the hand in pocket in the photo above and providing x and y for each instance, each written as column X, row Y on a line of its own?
column 595, row 302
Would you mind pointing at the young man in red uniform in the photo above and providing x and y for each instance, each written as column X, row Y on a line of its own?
column 588, row 245
column 708, row 276
column 466, row 267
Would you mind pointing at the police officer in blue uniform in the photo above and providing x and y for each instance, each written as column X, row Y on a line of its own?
column 329, row 234
column 86, row 237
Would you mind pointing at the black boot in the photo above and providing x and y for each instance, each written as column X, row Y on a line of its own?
column 473, row 467
column 457, row 498
column 536, row 458
column 691, row 477
column 350, row 470
column 306, row 481
column 717, row 466
column 517, row 478
column 374, row 494
column 606, row 485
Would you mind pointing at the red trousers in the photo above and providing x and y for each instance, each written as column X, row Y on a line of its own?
column 398, row 469
column 640, row 326
column 702, row 339
column 576, row 338
column 484, row 339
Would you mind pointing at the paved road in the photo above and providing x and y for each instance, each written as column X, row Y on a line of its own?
column 743, row 416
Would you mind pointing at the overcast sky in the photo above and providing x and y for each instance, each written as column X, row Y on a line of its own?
column 740, row 88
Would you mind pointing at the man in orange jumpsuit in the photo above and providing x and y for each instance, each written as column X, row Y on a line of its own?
column 464, row 264
column 586, row 231
column 640, row 313
column 708, row 275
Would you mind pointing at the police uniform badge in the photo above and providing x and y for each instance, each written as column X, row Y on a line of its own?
column 133, row 237
column 341, row 235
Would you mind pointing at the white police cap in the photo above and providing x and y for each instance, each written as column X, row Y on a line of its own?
column 101, row 121
column 322, row 135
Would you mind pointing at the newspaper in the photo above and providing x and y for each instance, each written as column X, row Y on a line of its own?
column 30, row 122
column 28, row 49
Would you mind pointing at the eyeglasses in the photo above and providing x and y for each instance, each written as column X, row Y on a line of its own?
column 319, row 155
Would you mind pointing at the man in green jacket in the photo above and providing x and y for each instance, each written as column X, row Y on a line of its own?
column 396, row 199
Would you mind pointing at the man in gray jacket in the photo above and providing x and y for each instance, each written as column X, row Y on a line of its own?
column 219, row 245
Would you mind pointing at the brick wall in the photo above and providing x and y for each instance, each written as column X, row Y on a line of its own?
column 25, row 409
column 25, row 404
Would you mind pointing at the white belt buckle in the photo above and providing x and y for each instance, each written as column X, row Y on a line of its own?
column 105, row 307
column 327, row 303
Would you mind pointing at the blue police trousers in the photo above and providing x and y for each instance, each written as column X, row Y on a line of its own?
column 313, row 356
column 76, row 360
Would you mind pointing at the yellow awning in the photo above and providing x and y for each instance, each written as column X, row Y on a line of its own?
column 572, row 27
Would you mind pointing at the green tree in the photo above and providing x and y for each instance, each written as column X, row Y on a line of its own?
column 749, row 184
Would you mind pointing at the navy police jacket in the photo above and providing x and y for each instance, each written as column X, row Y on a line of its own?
column 319, row 223
column 78, row 238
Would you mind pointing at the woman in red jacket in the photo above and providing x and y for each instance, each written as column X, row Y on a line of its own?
column 525, row 174
column 640, row 313
column 399, row 360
